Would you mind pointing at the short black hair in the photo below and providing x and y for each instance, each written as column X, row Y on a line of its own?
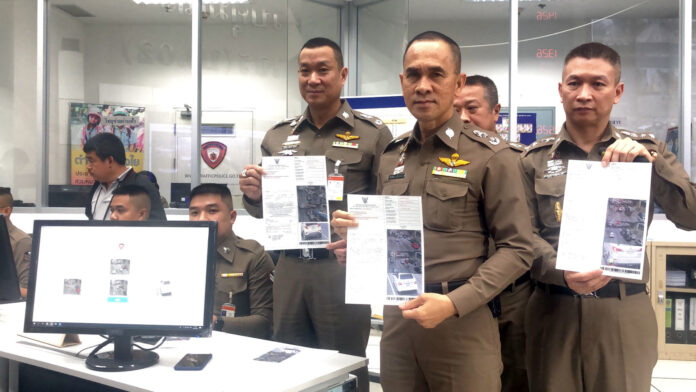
column 150, row 176
column 318, row 42
column 489, row 89
column 135, row 192
column 596, row 50
column 106, row 145
column 437, row 36
column 215, row 189
column 6, row 193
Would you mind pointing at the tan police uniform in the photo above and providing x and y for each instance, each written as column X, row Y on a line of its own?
column 21, row 250
column 467, row 199
column 309, row 293
column 242, row 278
column 513, row 304
column 606, row 342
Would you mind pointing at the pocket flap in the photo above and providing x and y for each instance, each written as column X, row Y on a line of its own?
column 395, row 188
column 345, row 155
column 554, row 186
column 446, row 190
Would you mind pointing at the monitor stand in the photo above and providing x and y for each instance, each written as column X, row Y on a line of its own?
column 123, row 357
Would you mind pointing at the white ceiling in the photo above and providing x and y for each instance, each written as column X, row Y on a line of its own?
column 127, row 12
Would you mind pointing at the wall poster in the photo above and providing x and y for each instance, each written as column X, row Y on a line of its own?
column 88, row 120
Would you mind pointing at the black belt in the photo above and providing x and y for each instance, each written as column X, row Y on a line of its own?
column 611, row 290
column 437, row 287
column 312, row 255
column 494, row 305
column 522, row 279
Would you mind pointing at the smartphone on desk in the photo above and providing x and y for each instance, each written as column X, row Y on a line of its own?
column 193, row 362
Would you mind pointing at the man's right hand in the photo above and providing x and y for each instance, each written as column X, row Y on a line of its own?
column 341, row 221
column 586, row 282
column 250, row 181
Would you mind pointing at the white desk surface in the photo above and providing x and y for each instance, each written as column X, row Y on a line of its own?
column 232, row 368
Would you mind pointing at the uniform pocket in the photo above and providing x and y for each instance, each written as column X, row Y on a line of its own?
column 446, row 205
column 549, row 194
column 235, row 285
column 351, row 159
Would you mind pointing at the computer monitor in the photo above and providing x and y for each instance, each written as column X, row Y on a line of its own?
column 9, row 285
column 68, row 195
column 180, row 192
column 122, row 279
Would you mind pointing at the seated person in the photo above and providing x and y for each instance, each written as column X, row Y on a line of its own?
column 19, row 240
column 106, row 163
column 242, row 270
column 130, row 203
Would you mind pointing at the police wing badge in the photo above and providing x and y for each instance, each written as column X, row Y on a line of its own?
column 347, row 136
column 213, row 153
column 454, row 161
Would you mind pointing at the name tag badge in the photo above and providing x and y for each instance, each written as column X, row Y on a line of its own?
column 227, row 310
column 290, row 145
column 292, row 138
column 449, row 172
column 345, row 145
column 334, row 187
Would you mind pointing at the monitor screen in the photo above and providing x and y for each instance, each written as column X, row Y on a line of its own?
column 9, row 285
column 180, row 192
column 122, row 279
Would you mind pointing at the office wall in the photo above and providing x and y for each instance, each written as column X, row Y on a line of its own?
column 18, row 137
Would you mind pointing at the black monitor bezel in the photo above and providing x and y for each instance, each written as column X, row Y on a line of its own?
column 124, row 329
column 9, row 288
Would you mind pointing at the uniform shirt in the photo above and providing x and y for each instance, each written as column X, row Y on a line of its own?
column 252, row 291
column 544, row 167
column 101, row 200
column 359, row 157
column 21, row 250
column 461, row 214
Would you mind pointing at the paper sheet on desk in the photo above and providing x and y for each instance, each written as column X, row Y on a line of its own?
column 604, row 218
column 295, row 208
column 385, row 251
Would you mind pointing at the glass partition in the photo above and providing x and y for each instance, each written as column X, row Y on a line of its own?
column 646, row 35
column 122, row 68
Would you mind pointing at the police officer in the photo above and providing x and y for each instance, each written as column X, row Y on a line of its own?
column 130, row 203
column 586, row 331
column 309, row 297
column 19, row 241
column 447, row 339
column 243, row 287
column 477, row 104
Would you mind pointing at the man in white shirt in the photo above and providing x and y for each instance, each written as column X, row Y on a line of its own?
column 106, row 163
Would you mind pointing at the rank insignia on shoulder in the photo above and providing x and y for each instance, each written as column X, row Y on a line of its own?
column 347, row 136
column 449, row 172
column 454, row 161
column 345, row 145
column 494, row 140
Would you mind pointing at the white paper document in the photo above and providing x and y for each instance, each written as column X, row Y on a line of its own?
column 295, row 209
column 385, row 251
column 604, row 218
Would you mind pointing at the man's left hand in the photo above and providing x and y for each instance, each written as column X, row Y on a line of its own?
column 625, row 150
column 429, row 309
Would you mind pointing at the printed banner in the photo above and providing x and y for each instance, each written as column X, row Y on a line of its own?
column 88, row 120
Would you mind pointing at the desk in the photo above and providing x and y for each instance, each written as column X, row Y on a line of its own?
column 232, row 366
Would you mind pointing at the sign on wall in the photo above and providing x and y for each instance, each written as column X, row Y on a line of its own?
column 88, row 120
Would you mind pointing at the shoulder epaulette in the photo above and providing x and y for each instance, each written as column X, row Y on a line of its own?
column 519, row 147
column 545, row 142
column 374, row 121
column 398, row 140
column 289, row 120
column 489, row 139
column 250, row 245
